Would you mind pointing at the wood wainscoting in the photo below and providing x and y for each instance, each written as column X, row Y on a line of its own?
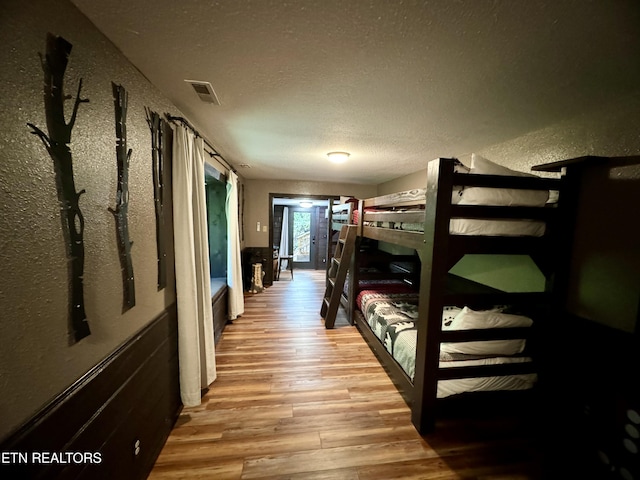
column 219, row 307
column 120, row 412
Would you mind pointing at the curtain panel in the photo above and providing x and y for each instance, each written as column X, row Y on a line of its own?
column 283, row 250
column 196, row 350
column 235, row 288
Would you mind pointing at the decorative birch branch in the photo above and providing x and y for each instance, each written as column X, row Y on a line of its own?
column 157, row 164
column 56, row 141
column 121, row 212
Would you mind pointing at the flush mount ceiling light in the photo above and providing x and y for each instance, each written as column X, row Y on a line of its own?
column 306, row 204
column 338, row 157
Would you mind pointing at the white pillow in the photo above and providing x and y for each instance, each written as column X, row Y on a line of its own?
column 500, row 196
column 480, row 164
column 456, row 193
column 469, row 319
column 448, row 315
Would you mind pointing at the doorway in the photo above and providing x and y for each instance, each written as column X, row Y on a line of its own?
column 303, row 233
column 306, row 226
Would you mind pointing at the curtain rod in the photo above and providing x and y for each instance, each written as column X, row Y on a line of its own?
column 215, row 154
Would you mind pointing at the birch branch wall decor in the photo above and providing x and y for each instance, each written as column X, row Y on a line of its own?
column 156, row 125
column 56, row 141
column 121, row 212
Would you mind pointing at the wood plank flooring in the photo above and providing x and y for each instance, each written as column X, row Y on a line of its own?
column 296, row 401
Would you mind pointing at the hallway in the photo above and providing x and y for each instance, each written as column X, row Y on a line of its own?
column 294, row 400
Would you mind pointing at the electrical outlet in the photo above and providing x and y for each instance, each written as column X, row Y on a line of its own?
column 264, row 228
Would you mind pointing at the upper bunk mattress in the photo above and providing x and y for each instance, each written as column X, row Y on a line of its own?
column 406, row 221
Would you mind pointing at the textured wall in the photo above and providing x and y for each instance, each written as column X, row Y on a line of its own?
column 606, row 257
column 36, row 360
column 257, row 192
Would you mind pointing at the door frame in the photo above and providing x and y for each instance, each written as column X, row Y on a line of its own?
column 298, row 196
column 312, row 264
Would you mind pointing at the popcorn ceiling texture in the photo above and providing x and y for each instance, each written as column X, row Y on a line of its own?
column 394, row 83
column 36, row 361
column 609, row 130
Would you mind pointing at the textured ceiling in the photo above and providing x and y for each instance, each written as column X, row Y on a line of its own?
column 395, row 83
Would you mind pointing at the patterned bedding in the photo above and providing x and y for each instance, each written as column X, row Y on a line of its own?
column 392, row 317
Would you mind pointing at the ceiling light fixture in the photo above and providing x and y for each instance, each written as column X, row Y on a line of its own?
column 306, row 204
column 338, row 157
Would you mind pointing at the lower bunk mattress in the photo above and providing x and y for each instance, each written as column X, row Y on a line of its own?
column 392, row 316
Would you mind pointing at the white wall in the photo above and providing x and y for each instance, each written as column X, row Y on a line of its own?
column 256, row 196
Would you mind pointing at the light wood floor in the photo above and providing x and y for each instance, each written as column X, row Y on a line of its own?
column 296, row 401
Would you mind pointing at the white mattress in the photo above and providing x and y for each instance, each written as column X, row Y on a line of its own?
column 494, row 228
column 467, row 226
column 406, row 359
column 479, row 384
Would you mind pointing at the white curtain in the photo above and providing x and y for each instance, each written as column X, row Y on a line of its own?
column 283, row 251
column 196, row 351
column 234, row 265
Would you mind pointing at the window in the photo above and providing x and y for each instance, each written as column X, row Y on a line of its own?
column 216, row 192
column 301, row 236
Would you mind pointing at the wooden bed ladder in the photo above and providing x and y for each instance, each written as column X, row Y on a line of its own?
column 337, row 274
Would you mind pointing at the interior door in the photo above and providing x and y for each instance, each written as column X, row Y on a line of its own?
column 302, row 237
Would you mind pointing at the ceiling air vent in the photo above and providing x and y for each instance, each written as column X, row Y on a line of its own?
column 204, row 91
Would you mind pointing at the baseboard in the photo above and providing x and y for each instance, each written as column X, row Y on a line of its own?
column 112, row 422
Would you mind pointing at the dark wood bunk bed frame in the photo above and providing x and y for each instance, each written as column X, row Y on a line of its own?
column 365, row 265
column 439, row 250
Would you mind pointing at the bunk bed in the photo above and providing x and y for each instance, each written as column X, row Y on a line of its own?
column 446, row 335
column 374, row 269
column 343, row 213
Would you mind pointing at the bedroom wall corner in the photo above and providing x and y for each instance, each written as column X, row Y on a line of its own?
column 257, row 201
column 37, row 361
